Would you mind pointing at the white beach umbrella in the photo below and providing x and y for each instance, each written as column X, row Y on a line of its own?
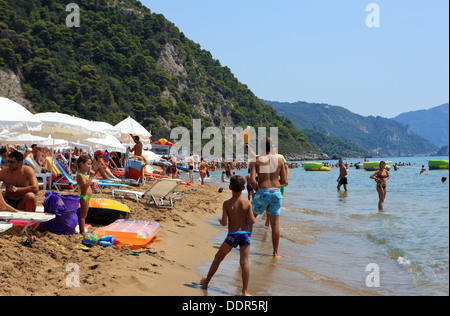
column 108, row 128
column 53, row 143
column 151, row 156
column 130, row 126
column 14, row 117
column 22, row 139
column 109, row 143
column 67, row 127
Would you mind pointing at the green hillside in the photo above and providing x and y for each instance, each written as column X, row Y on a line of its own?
column 431, row 124
column 125, row 60
column 333, row 146
column 377, row 135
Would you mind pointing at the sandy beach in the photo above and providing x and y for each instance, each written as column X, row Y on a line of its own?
column 168, row 268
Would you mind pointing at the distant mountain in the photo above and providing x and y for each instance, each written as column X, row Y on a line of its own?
column 377, row 135
column 333, row 146
column 432, row 124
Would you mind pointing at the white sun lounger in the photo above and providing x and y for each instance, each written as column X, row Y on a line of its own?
column 5, row 226
column 157, row 193
column 30, row 217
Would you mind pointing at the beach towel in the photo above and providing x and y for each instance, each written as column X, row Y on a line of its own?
column 65, row 208
column 133, row 169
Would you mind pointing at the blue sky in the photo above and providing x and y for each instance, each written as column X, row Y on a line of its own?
column 322, row 51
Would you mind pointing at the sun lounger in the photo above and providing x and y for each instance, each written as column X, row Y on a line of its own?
column 5, row 226
column 30, row 217
column 65, row 180
column 103, row 184
column 158, row 193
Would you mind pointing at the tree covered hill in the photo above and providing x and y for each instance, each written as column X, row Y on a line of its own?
column 431, row 124
column 125, row 60
column 377, row 135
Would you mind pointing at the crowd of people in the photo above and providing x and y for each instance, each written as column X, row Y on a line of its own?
column 267, row 176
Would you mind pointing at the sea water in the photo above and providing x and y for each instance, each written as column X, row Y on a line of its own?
column 337, row 243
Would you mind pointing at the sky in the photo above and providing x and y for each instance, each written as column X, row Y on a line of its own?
column 324, row 51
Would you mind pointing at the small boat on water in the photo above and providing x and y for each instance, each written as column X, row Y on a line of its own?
column 315, row 166
column 438, row 164
column 375, row 165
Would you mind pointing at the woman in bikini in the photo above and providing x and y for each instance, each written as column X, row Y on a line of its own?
column 202, row 168
column 381, row 176
column 84, row 188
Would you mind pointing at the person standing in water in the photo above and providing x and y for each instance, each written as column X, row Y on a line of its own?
column 238, row 216
column 271, row 174
column 381, row 176
column 343, row 172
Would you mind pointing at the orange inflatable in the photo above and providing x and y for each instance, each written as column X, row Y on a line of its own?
column 130, row 232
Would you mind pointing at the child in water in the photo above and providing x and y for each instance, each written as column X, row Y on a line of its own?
column 238, row 215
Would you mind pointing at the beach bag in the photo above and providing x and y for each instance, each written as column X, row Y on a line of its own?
column 65, row 208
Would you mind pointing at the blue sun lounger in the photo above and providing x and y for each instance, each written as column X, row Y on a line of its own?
column 66, row 179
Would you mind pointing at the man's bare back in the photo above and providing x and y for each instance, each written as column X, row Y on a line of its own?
column 270, row 170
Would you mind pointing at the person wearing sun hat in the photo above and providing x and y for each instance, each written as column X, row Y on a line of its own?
column 97, row 166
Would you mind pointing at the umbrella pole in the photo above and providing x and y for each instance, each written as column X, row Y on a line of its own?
column 51, row 169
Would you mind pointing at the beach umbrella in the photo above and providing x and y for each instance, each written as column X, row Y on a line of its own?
column 130, row 126
column 14, row 117
column 163, row 141
column 67, row 127
column 109, row 143
column 151, row 156
column 53, row 143
column 108, row 128
column 22, row 139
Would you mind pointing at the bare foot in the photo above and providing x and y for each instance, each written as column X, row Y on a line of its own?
column 276, row 255
column 245, row 293
column 7, row 208
column 204, row 284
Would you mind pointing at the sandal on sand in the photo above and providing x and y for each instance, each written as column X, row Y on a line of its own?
column 82, row 247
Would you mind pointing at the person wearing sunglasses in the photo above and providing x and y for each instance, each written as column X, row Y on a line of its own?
column 20, row 183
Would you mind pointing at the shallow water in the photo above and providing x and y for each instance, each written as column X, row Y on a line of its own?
column 330, row 238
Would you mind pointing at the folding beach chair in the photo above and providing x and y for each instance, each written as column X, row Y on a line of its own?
column 65, row 180
column 158, row 193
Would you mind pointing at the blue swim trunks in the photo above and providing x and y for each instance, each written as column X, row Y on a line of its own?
column 238, row 239
column 269, row 199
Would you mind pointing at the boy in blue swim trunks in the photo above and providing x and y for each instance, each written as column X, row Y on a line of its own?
column 237, row 214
